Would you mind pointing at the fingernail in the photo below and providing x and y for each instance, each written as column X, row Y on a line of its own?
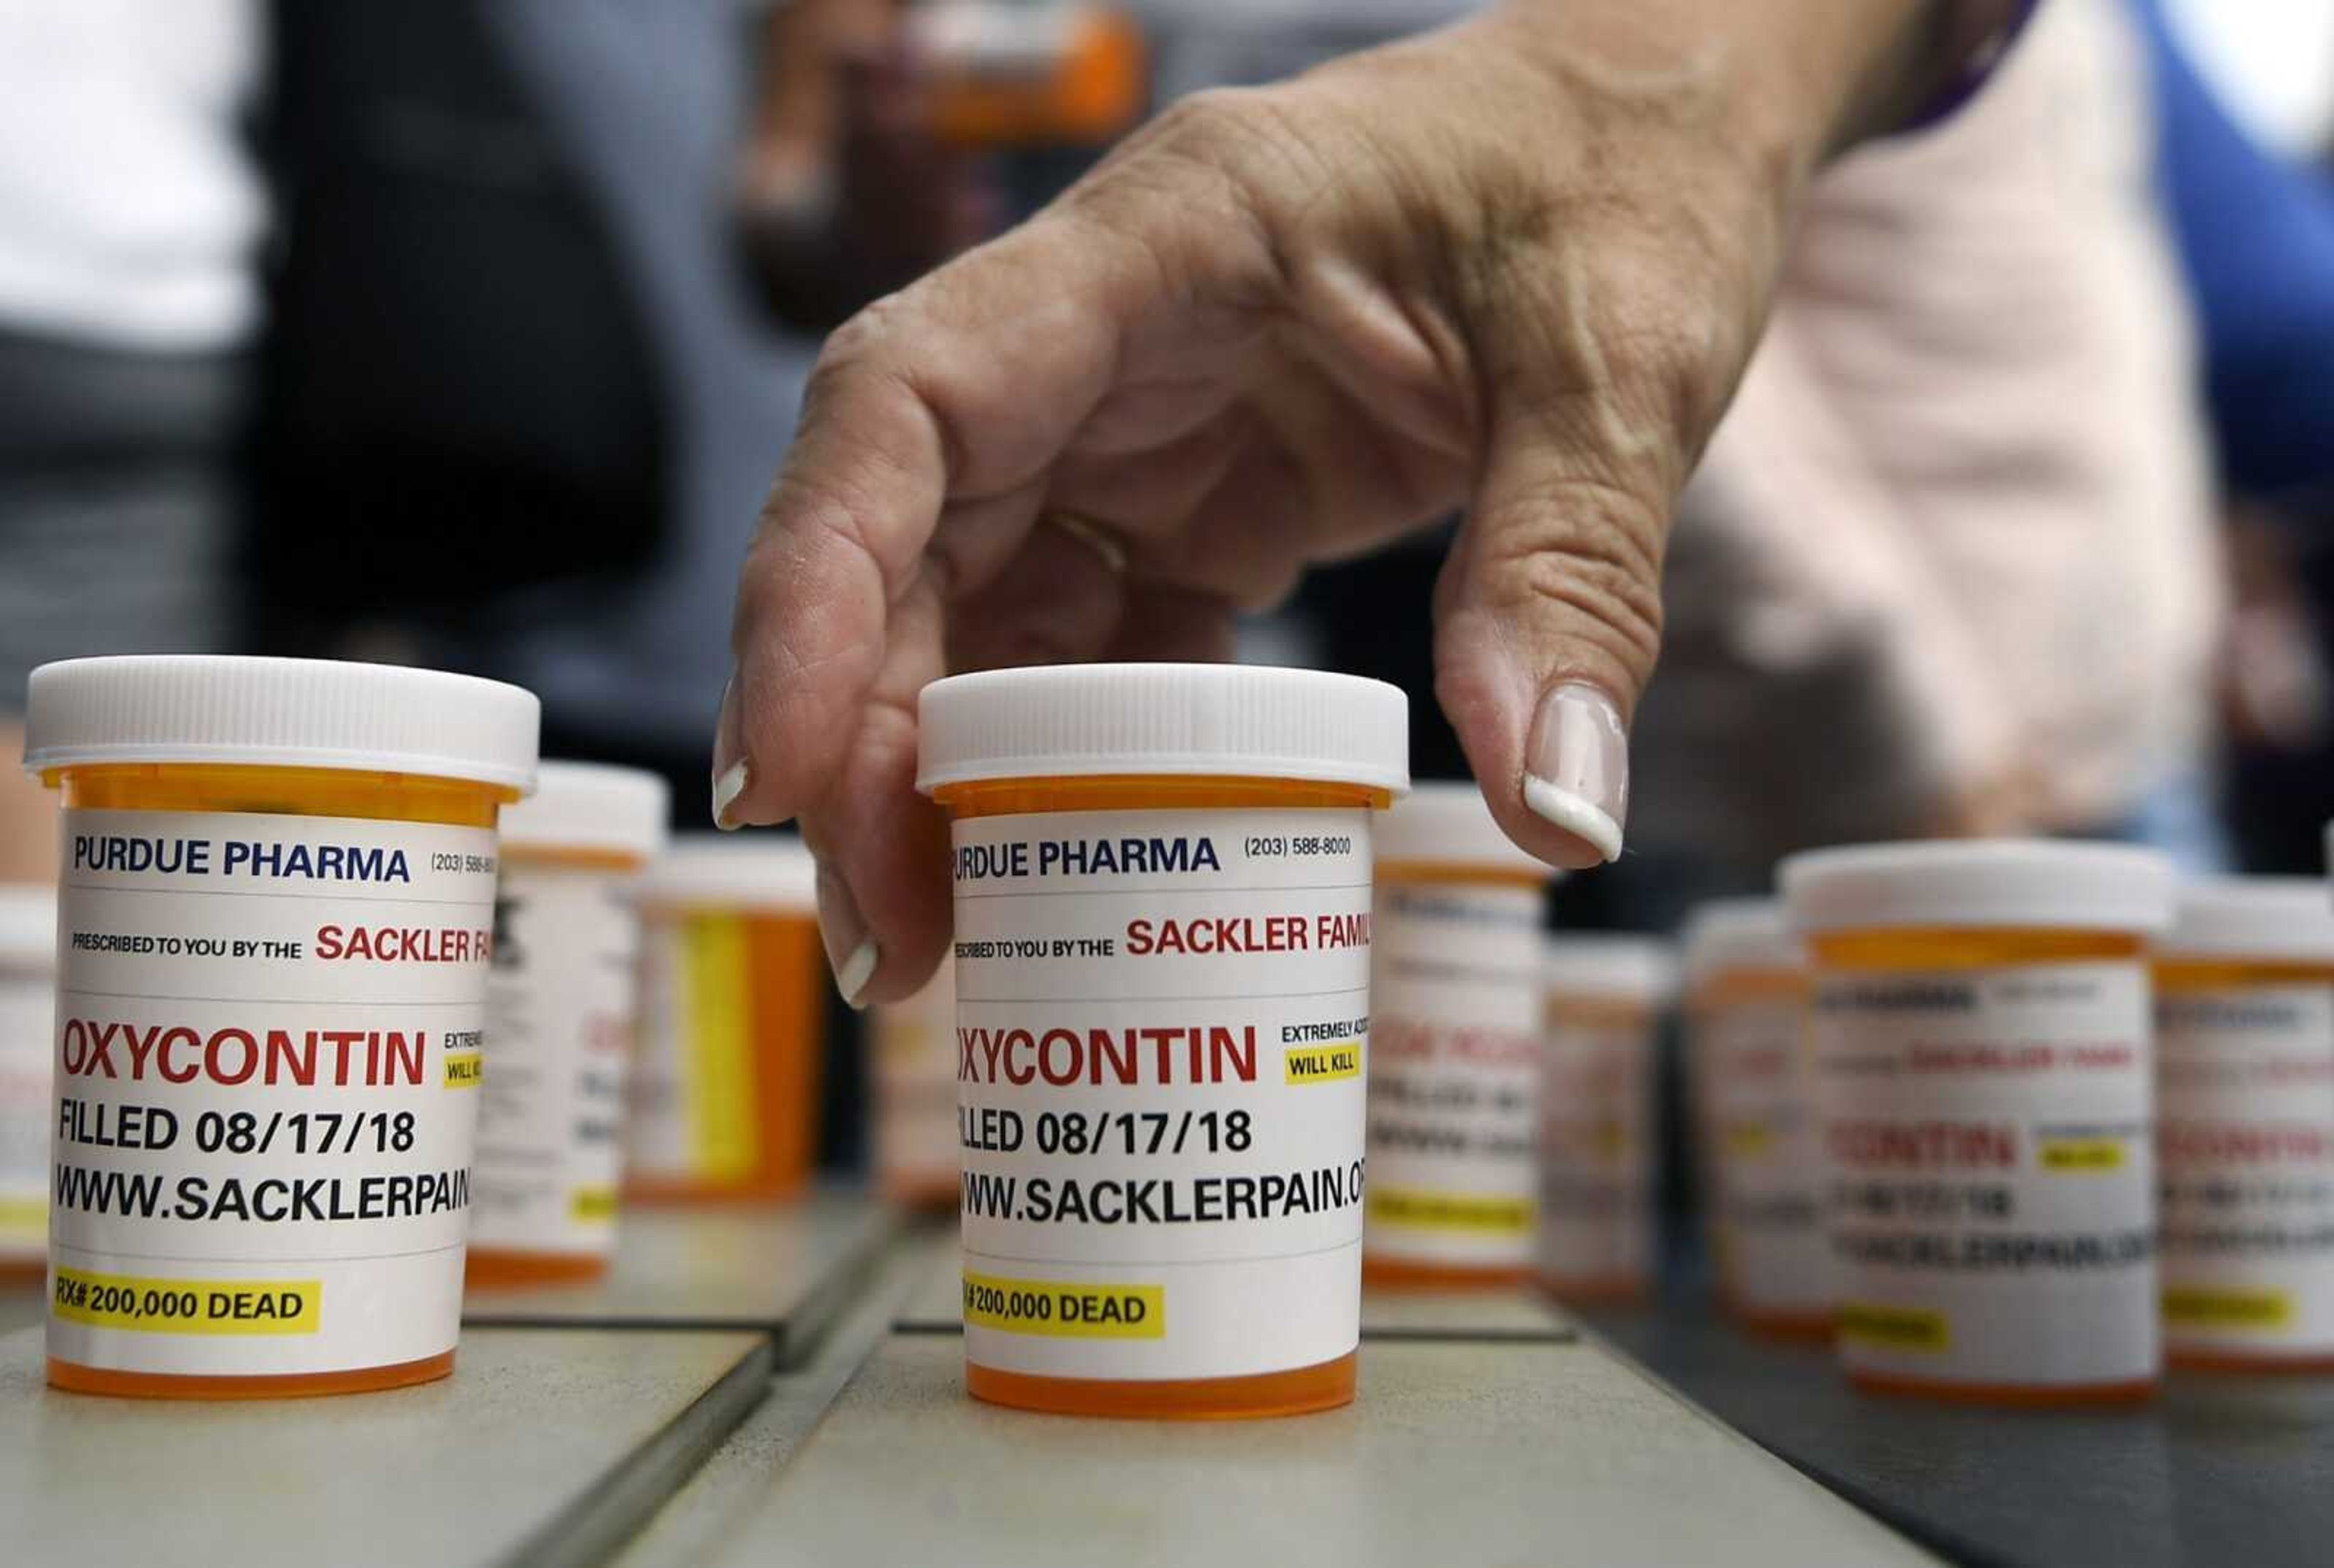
column 851, row 952
column 729, row 776
column 727, row 787
column 1576, row 766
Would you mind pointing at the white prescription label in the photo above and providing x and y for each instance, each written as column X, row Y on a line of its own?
column 560, row 1029
column 1990, row 1172
column 915, row 1090
column 1454, row 1062
column 1162, row 1029
column 27, row 1006
column 1596, row 1149
column 268, row 1048
column 1757, row 1075
column 2245, row 1136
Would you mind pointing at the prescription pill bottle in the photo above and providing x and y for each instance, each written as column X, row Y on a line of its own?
column 1015, row 74
column 28, row 984
column 276, row 913
column 1984, row 1091
column 1454, row 1053
column 1606, row 997
column 1751, row 1072
column 1163, row 970
column 562, row 1022
column 724, row 1099
column 914, row 1062
column 2244, row 1124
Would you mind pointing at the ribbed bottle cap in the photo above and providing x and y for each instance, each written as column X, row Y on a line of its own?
column 1448, row 824
column 750, row 871
column 280, row 713
column 586, row 805
column 2288, row 918
column 1983, row 882
column 1241, row 721
column 1737, row 934
column 28, row 927
column 1610, row 966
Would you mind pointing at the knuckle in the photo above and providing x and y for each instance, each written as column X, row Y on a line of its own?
column 1588, row 552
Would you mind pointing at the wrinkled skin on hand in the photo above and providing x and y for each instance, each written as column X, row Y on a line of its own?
column 1513, row 265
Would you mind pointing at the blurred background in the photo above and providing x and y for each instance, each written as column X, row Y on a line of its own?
column 468, row 333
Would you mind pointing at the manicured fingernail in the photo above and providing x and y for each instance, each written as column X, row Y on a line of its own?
column 729, row 776
column 727, row 787
column 851, row 952
column 1576, row 766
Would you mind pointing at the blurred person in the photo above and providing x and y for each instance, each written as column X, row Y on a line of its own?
column 845, row 189
column 522, row 393
column 131, row 216
column 1949, row 565
column 2256, row 243
column 2255, row 231
column 1521, row 262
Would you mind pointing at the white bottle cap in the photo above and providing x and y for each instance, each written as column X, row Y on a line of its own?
column 1220, row 720
column 1442, row 824
column 1610, row 966
column 2278, row 919
column 2009, row 883
column 28, row 927
column 765, row 870
column 1726, row 934
column 586, row 805
column 280, row 713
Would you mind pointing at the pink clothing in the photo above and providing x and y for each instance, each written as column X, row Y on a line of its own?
column 1957, row 527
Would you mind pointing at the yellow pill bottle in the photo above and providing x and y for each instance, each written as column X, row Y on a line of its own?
column 1455, row 1046
column 1751, row 1080
column 1162, row 881
column 28, row 984
column 725, row 1092
column 1984, row 1072
column 1607, row 995
column 2244, row 1124
column 274, row 920
column 563, row 1024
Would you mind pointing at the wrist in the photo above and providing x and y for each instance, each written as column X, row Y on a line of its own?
column 1802, row 80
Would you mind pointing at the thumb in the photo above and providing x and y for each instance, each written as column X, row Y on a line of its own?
column 1547, row 619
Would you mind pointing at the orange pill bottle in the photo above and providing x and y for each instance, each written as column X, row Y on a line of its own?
column 1984, row 1069
column 562, row 1024
column 1162, row 878
column 913, row 1060
column 1751, row 1070
column 1008, row 74
column 1455, row 1046
column 2244, row 1124
column 274, row 920
column 723, row 1104
column 1599, row 1146
column 28, row 984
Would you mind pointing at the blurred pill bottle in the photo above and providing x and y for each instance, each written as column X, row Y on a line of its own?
column 1608, row 997
column 1456, row 1001
column 1751, row 1076
column 28, row 983
column 1985, row 1084
column 562, row 1024
column 913, row 1054
column 2244, row 1124
column 724, row 1100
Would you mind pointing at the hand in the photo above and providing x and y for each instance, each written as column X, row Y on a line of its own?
column 1522, row 261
